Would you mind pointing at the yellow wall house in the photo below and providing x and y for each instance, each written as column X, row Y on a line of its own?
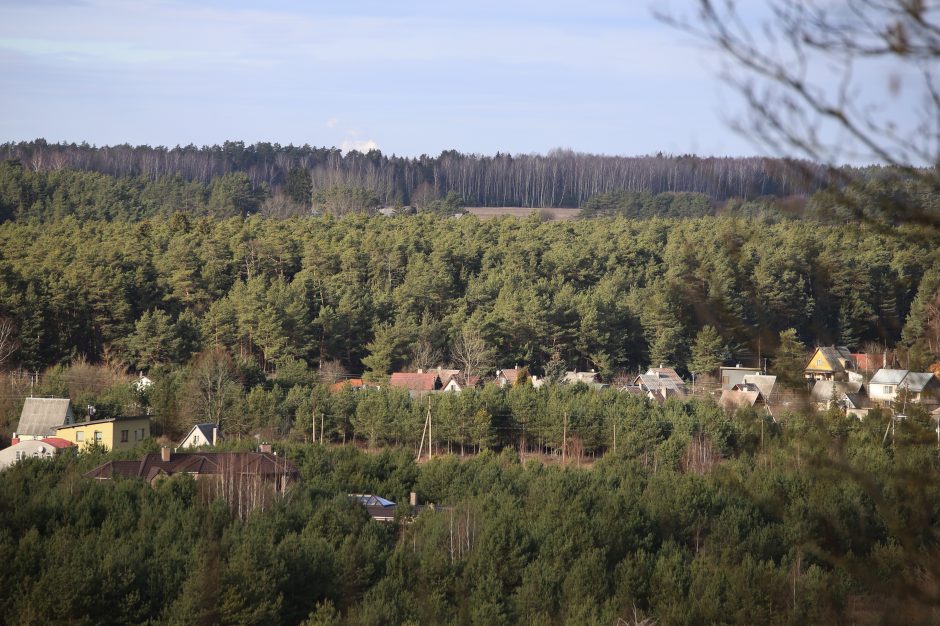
column 118, row 433
column 830, row 363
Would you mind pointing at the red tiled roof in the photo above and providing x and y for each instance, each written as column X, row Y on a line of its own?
column 415, row 382
column 511, row 375
column 58, row 442
column 355, row 383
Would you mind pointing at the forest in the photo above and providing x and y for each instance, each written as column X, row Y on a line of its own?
column 817, row 522
column 243, row 308
column 562, row 178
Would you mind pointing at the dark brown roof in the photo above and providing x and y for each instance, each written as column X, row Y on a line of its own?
column 201, row 463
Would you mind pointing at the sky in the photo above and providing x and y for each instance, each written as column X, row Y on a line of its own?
column 408, row 78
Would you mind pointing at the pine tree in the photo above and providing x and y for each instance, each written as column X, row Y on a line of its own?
column 708, row 352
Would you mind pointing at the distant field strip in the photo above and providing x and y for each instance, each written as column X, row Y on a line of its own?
column 487, row 212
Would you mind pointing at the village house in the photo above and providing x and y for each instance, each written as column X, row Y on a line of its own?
column 356, row 384
column 382, row 510
column 416, row 383
column 831, row 363
column 733, row 399
column 41, row 416
column 508, row 377
column 663, row 386
column 153, row 467
column 116, row 433
column 921, row 387
column 32, row 449
column 201, row 435
column 591, row 379
column 763, row 382
column 731, row 376
column 850, row 397
column 458, row 382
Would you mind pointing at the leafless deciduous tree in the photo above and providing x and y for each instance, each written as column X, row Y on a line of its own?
column 213, row 386
column 471, row 353
column 332, row 372
column 8, row 340
column 801, row 69
column 851, row 80
column 425, row 355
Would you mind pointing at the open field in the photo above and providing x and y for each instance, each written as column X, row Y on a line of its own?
column 556, row 215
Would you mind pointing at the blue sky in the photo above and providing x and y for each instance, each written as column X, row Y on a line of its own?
column 406, row 77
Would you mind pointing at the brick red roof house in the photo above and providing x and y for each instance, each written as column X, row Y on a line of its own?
column 415, row 382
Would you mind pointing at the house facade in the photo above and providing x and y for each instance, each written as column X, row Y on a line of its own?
column 921, row 387
column 201, row 435
column 117, row 433
column 831, row 363
column 32, row 449
column 41, row 416
column 731, row 376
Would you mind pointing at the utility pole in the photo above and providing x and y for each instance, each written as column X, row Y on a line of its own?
column 427, row 429
column 322, row 420
column 615, row 436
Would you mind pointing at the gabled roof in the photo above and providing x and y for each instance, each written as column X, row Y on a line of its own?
column 916, row 382
column 838, row 357
column 41, row 416
column 651, row 382
column 581, row 377
column 666, row 372
column 201, row 463
column 888, row 377
column 765, row 383
column 415, row 382
column 205, row 430
column 736, row 399
column 510, row 374
column 367, row 499
column 461, row 382
column 822, row 391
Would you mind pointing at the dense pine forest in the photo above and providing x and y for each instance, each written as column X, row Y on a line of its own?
column 817, row 522
column 206, row 270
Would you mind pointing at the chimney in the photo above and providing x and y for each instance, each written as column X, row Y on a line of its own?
column 165, row 454
column 413, row 499
column 265, row 448
column 215, row 435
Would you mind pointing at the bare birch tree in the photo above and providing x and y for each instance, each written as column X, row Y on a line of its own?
column 9, row 342
column 471, row 353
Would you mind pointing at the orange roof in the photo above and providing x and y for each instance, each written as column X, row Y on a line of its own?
column 355, row 383
column 415, row 382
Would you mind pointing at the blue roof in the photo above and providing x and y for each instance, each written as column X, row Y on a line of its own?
column 366, row 499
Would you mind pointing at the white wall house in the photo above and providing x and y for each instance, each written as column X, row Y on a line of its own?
column 201, row 435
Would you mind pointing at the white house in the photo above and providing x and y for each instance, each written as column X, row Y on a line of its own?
column 32, row 448
column 922, row 387
column 201, row 435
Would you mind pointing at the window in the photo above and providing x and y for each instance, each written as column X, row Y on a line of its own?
column 818, row 362
column 80, row 435
column 888, row 389
column 124, row 435
column 195, row 440
column 18, row 457
column 97, row 436
column 139, row 434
